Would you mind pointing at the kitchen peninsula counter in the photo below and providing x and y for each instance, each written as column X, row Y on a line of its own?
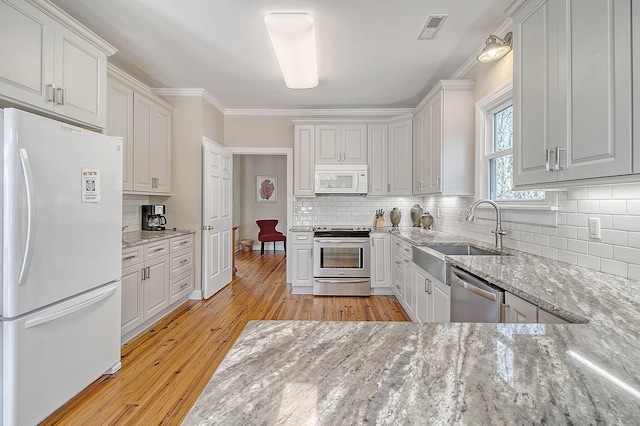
column 137, row 238
column 406, row 373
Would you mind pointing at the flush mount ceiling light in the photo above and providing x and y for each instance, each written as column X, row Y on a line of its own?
column 495, row 48
column 294, row 41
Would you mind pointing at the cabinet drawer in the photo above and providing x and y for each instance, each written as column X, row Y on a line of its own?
column 132, row 256
column 180, row 243
column 181, row 261
column 302, row 238
column 181, row 286
column 157, row 249
column 402, row 246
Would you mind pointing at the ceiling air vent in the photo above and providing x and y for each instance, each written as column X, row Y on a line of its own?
column 431, row 27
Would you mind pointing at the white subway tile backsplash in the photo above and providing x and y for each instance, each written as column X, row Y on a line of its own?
column 577, row 194
column 627, row 191
column 587, row 261
column 583, row 234
column 626, row 254
column 599, row 192
column 568, row 257
column 549, row 252
column 578, row 246
column 534, row 249
column 634, row 272
column 577, row 219
column 613, row 267
column 567, row 231
column 540, row 239
column 626, row 223
column 613, row 206
column 589, row 206
column 558, row 242
column 601, row 250
column 633, row 207
column 633, row 239
column 611, row 236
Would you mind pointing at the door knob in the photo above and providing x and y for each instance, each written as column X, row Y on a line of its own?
column 207, row 228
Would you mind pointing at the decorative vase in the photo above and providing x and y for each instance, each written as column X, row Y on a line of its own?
column 416, row 214
column 426, row 220
column 395, row 216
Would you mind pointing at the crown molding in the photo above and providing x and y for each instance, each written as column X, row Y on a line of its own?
column 116, row 73
column 197, row 92
column 303, row 112
column 473, row 61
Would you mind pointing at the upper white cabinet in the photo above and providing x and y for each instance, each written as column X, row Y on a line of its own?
column 443, row 140
column 635, row 23
column 52, row 63
column 341, row 144
column 400, row 177
column 143, row 121
column 378, row 158
column 572, row 91
column 303, row 160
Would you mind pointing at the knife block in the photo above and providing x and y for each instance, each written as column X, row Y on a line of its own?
column 378, row 222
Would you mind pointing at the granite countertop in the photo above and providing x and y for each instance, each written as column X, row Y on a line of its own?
column 136, row 238
column 405, row 373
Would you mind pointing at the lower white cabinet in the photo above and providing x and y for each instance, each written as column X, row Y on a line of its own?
column 300, row 254
column 433, row 297
column 380, row 263
column 155, row 277
column 518, row 310
column 403, row 271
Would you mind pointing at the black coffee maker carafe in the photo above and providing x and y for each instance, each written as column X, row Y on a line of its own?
column 153, row 217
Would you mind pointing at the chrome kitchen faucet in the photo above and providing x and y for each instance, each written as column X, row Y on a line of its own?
column 499, row 232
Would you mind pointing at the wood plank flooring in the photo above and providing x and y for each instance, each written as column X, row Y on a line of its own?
column 165, row 369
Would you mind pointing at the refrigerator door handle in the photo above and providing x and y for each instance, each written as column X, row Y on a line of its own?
column 31, row 216
column 106, row 292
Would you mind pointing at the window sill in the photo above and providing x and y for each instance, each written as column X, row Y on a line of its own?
column 540, row 215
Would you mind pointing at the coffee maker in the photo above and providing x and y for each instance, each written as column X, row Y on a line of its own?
column 152, row 217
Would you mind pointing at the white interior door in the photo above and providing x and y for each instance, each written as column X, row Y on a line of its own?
column 216, row 217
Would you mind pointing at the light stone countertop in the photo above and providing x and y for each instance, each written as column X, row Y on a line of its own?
column 328, row 373
column 136, row 238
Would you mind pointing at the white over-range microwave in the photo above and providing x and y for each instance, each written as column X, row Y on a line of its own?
column 341, row 179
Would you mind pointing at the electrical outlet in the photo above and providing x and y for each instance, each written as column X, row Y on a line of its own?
column 594, row 228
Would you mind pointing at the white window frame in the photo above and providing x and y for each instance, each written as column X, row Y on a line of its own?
column 493, row 102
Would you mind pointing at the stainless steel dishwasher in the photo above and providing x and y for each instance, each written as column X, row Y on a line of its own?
column 473, row 299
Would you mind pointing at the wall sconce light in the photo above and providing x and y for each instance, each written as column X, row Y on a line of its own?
column 495, row 48
column 294, row 41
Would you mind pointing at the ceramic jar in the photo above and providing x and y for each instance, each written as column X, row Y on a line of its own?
column 426, row 220
column 416, row 214
column 395, row 215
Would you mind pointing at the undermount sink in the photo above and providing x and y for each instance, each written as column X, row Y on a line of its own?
column 464, row 249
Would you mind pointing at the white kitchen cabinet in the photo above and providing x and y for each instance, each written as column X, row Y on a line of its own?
column 144, row 122
column 341, row 144
column 432, row 297
column 400, row 157
column 380, row 263
column 120, row 123
column 377, row 136
column 155, row 278
column 545, row 317
column 572, row 91
column 518, row 310
column 635, row 23
column 303, row 160
column 300, row 253
column 403, row 275
column 444, row 140
column 52, row 63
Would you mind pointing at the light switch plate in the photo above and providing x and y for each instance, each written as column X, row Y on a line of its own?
column 594, row 228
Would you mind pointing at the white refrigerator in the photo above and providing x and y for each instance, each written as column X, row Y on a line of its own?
column 61, row 262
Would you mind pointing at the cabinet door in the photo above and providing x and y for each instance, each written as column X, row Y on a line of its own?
column 81, row 78
column 434, row 137
column 27, row 38
column 400, row 158
column 120, row 123
column 302, row 265
column 409, row 288
column 160, row 150
column 635, row 23
column 142, row 112
column 303, row 160
column 380, row 260
column 354, row 144
column 420, row 152
column 377, row 153
column 156, row 286
column 595, row 99
column 132, row 312
column 535, row 120
column 328, row 144
column 519, row 310
column 423, row 299
column 441, row 301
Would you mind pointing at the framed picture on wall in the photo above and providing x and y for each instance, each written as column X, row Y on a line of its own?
column 267, row 189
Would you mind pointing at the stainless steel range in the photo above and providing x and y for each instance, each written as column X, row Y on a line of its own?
column 341, row 264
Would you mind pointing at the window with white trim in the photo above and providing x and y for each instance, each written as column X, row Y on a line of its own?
column 496, row 153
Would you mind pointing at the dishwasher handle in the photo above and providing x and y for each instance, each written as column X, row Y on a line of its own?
column 475, row 289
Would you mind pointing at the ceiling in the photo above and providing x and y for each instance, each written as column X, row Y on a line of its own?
column 368, row 52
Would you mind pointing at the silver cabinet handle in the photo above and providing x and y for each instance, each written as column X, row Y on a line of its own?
column 52, row 93
column 183, row 261
column 142, row 274
column 61, row 99
column 129, row 257
column 157, row 250
column 184, row 242
column 184, row 285
column 148, row 268
column 557, row 167
column 547, row 163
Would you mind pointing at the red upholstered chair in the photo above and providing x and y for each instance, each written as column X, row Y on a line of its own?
column 268, row 233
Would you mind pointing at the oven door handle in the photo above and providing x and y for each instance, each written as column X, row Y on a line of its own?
column 345, row 240
column 340, row 281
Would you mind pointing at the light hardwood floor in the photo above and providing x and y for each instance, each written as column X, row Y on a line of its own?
column 165, row 369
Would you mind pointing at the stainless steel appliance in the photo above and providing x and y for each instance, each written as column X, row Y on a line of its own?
column 473, row 299
column 152, row 217
column 341, row 264
column 341, row 179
